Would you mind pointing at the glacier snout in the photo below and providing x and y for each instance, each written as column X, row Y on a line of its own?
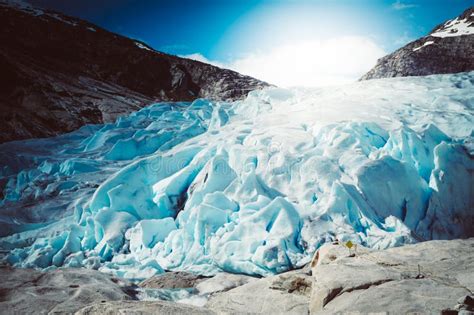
column 254, row 186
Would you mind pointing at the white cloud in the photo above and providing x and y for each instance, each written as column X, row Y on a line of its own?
column 308, row 63
column 399, row 5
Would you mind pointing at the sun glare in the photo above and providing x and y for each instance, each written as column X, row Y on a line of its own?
column 300, row 46
column 312, row 63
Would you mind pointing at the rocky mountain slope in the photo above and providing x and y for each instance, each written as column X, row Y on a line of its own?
column 449, row 48
column 427, row 278
column 59, row 73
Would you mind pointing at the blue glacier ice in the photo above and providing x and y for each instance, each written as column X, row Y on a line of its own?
column 253, row 186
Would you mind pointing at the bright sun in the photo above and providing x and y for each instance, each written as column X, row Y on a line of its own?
column 312, row 63
column 299, row 46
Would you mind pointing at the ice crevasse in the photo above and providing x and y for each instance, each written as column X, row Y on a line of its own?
column 254, row 186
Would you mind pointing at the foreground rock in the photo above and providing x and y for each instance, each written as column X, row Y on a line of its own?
column 425, row 278
column 172, row 280
column 435, row 277
column 67, row 291
column 187, row 288
column 142, row 308
column 223, row 282
column 60, row 73
column 27, row 291
column 449, row 48
column 285, row 293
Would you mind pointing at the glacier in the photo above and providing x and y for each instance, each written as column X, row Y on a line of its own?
column 254, row 186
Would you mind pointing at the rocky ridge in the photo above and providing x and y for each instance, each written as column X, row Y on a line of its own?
column 448, row 48
column 60, row 73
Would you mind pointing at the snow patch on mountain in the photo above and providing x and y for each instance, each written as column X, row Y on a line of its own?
column 427, row 43
column 252, row 186
column 140, row 45
column 455, row 27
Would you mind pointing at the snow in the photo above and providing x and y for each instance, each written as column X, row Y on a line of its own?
column 455, row 27
column 429, row 42
column 42, row 13
column 23, row 6
column 140, row 45
column 62, row 18
column 254, row 186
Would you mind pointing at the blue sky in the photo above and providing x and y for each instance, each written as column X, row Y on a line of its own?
column 227, row 32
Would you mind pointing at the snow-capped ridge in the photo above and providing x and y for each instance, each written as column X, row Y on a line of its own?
column 448, row 48
column 456, row 27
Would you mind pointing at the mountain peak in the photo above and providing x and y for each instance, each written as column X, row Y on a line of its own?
column 448, row 48
column 461, row 25
column 60, row 73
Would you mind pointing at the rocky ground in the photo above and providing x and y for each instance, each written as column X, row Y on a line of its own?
column 425, row 278
column 435, row 277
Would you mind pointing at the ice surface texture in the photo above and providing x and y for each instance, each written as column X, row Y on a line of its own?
column 254, row 186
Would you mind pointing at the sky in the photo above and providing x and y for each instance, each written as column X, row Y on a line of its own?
column 284, row 42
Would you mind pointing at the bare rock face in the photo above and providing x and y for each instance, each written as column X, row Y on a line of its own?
column 172, row 280
column 287, row 293
column 27, row 291
column 223, row 282
column 425, row 278
column 77, row 291
column 60, row 73
column 435, row 277
column 141, row 308
column 449, row 48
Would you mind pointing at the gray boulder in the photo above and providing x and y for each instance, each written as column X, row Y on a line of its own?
column 223, row 282
column 285, row 293
column 27, row 291
column 142, row 308
column 425, row 278
column 172, row 280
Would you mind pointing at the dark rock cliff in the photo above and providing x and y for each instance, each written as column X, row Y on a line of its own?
column 59, row 73
column 449, row 48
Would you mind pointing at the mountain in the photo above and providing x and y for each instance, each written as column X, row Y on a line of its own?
column 60, row 73
column 449, row 48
